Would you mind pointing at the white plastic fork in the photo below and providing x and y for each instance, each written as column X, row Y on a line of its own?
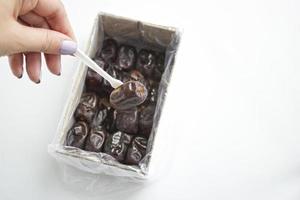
column 91, row 64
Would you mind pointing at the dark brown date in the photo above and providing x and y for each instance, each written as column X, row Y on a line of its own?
column 87, row 107
column 100, row 116
column 126, row 57
column 103, row 103
column 110, row 122
column 127, row 121
column 128, row 95
column 135, row 75
column 109, row 50
column 146, row 62
column 93, row 81
column 146, row 119
column 77, row 135
column 95, row 139
column 106, row 115
column 136, row 151
column 116, row 145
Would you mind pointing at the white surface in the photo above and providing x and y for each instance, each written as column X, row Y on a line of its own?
column 235, row 120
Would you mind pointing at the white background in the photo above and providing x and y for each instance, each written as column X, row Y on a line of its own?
column 233, row 107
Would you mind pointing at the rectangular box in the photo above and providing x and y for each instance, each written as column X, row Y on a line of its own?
column 143, row 35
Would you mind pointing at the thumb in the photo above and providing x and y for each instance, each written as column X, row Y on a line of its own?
column 32, row 39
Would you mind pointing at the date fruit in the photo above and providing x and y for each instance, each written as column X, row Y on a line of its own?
column 146, row 62
column 87, row 107
column 106, row 116
column 109, row 50
column 126, row 57
column 128, row 95
column 95, row 139
column 136, row 151
column 77, row 135
column 135, row 75
column 93, row 81
column 127, row 120
column 116, row 145
column 100, row 116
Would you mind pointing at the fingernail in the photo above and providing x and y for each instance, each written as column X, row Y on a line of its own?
column 38, row 82
column 20, row 76
column 59, row 69
column 68, row 47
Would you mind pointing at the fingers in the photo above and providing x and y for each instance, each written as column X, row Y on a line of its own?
column 56, row 16
column 53, row 61
column 46, row 29
column 42, row 40
column 16, row 64
column 33, row 66
column 32, row 19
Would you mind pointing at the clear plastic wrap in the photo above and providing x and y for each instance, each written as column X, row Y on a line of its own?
column 141, row 35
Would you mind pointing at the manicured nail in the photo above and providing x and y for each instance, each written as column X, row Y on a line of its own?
column 20, row 76
column 38, row 82
column 68, row 47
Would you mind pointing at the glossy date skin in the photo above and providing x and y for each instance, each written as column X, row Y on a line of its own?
column 135, row 75
column 116, row 145
column 93, row 81
column 77, row 134
column 128, row 95
column 127, row 121
column 126, row 57
column 109, row 50
column 100, row 116
column 146, row 62
column 136, row 151
column 95, row 139
column 87, row 107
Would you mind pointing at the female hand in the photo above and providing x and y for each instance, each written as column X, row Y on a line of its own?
column 29, row 27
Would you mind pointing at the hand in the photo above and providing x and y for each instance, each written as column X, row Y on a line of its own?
column 29, row 27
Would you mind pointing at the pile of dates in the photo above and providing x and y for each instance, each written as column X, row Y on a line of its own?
column 118, row 121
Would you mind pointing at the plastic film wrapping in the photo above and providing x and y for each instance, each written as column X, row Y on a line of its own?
column 141, row 35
